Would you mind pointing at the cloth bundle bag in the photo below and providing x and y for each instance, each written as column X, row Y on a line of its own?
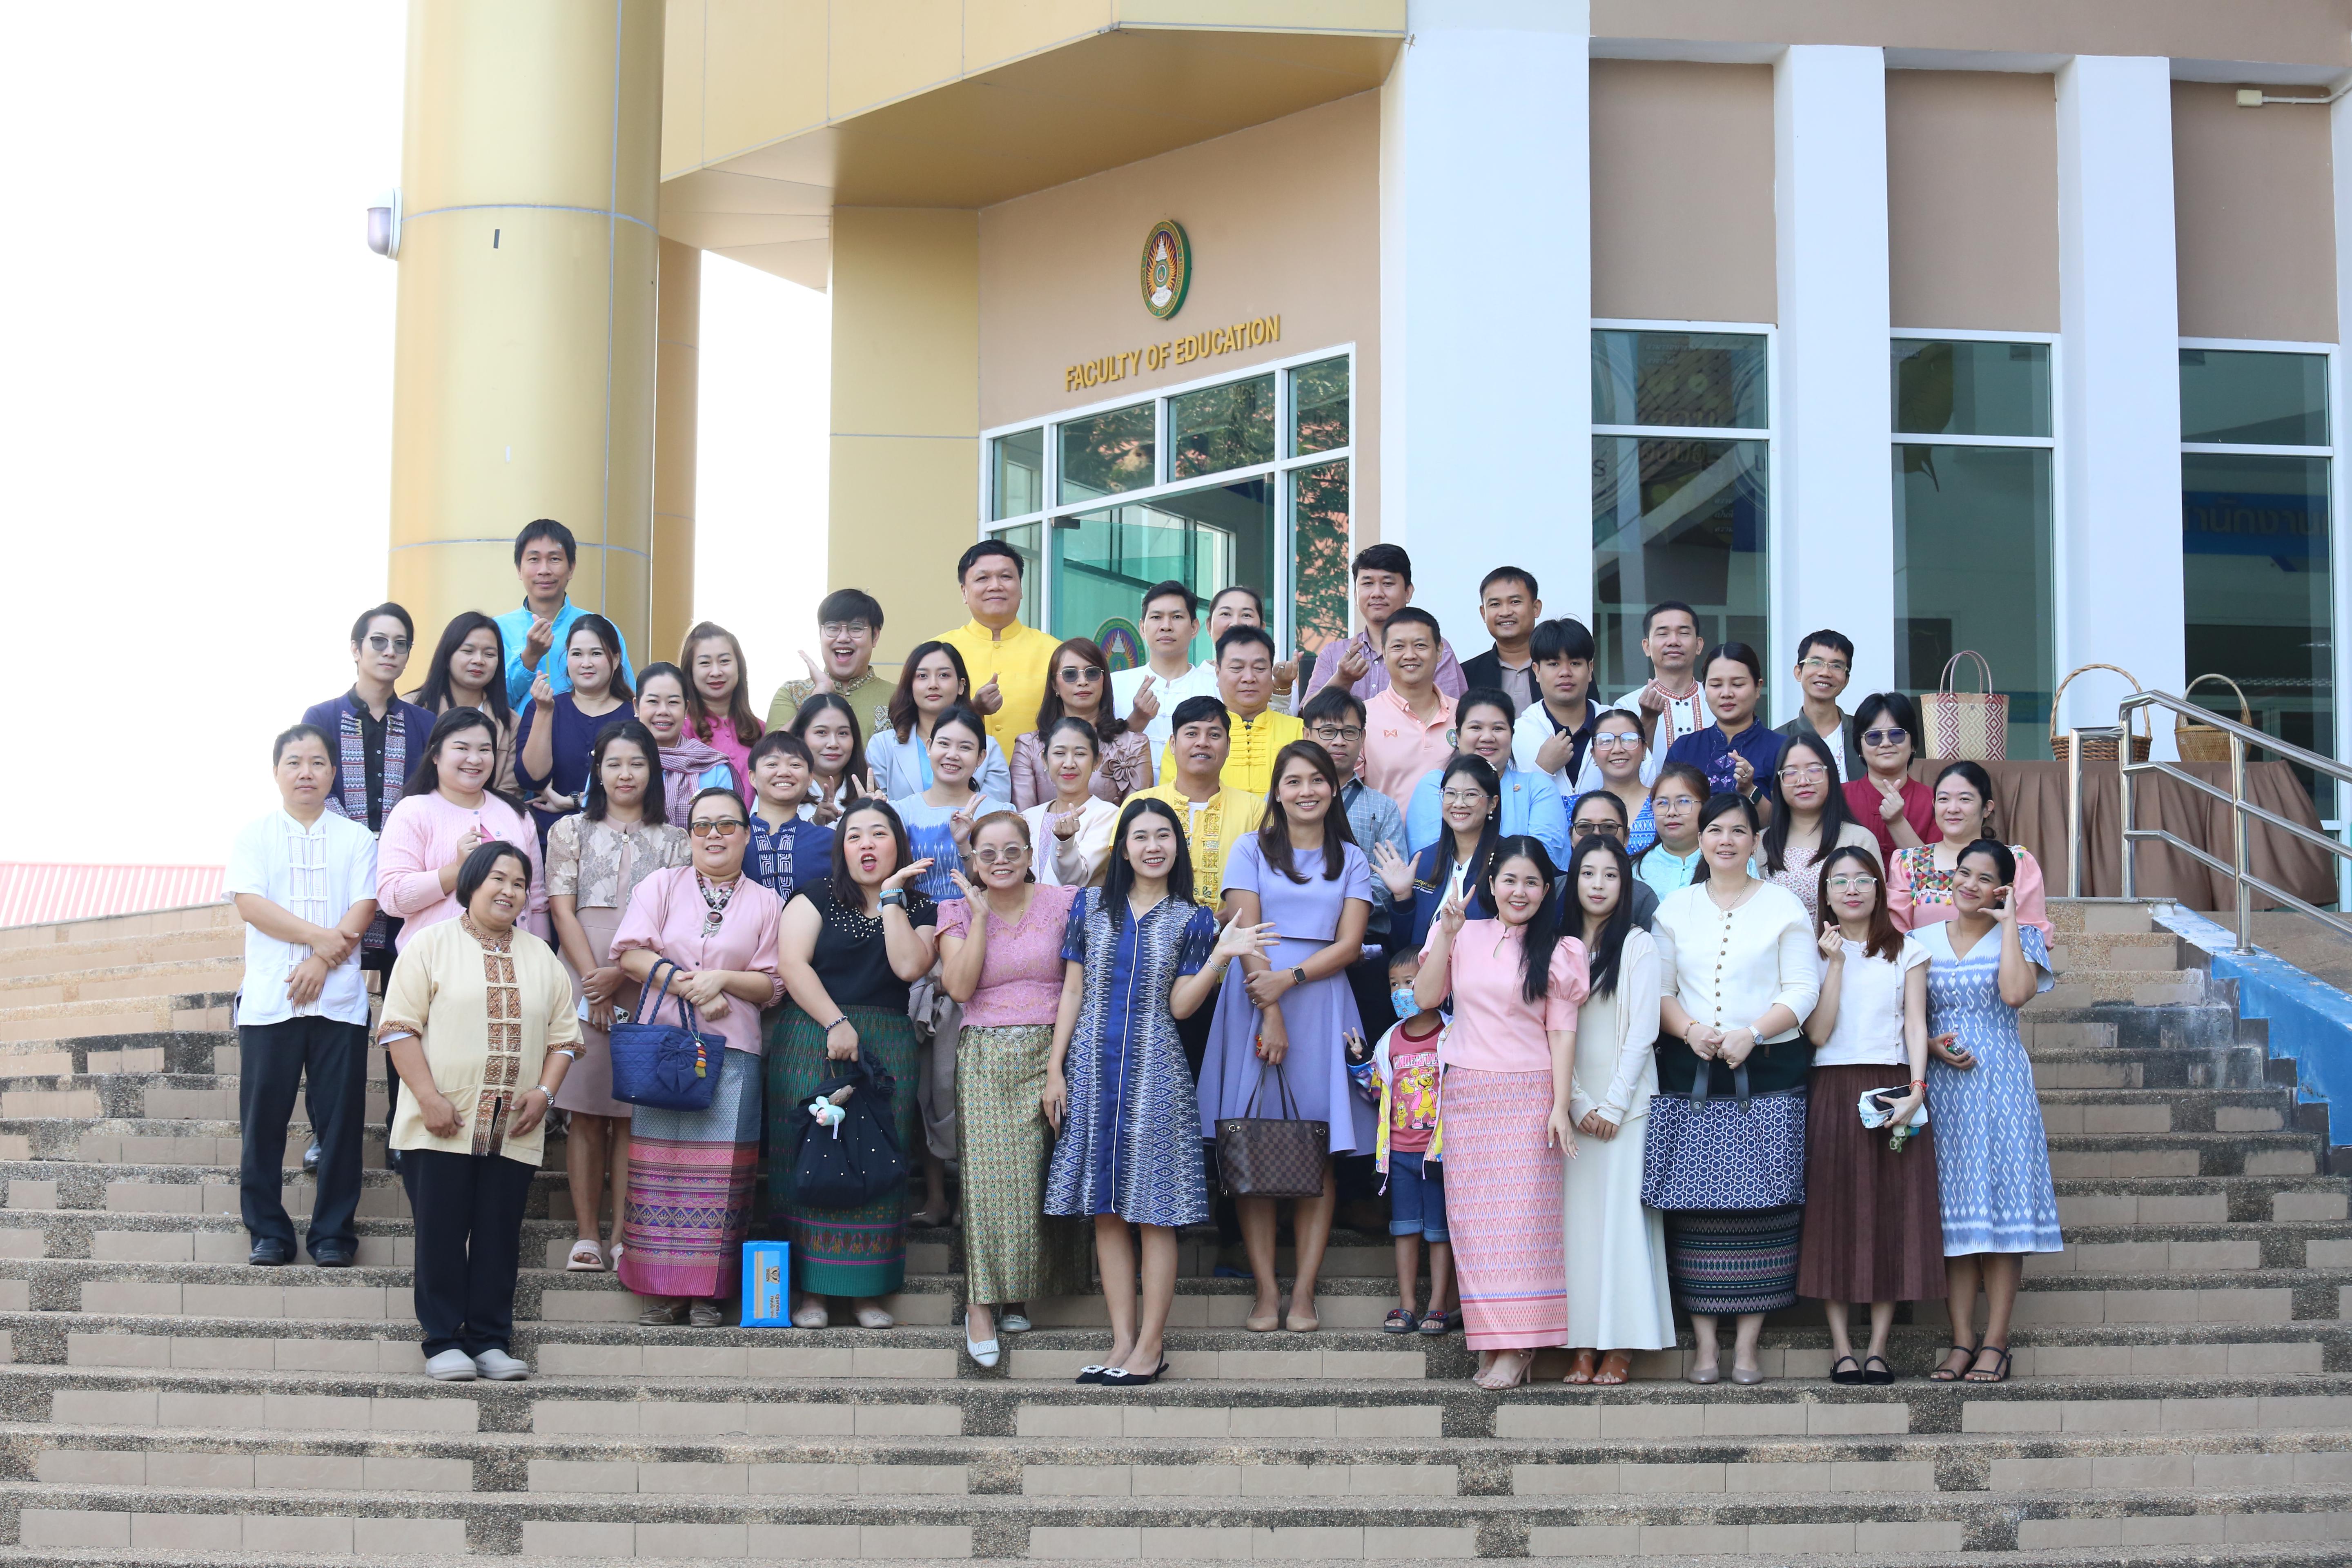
column 665, row 1066
column 1271, row 1156
column 1970, row 726
column 1747, row 1152
column 856, row 1160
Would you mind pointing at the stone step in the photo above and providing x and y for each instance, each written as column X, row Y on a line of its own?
column 124, row 1015
column 82, row 957
column 199, row 1051
column 121, row 931
column 2107, row 1155
column 2151, row 988
column 23, row 986
column 2206, row 1026
column 1273, row 1546
column 2101, row 917
column 2186, row 1110
column 141, row 1096
column 2076, row 953
column 2100, row 1066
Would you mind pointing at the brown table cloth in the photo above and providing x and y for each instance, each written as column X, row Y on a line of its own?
column 2029, row 799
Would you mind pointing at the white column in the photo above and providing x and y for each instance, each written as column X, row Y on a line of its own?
column 1486, row 304
column 2340, row 125
column 2119, row 584
column 1832, row 490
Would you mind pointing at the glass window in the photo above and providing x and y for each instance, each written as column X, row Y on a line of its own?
column 2247, row 398
column 1319, row 554
column 1220, row 427
column 1973, row 569
column 1207, row 539
column 1017, row 483
column 1971, row 388
column 1713, row 379
column 1103, row 454
column 1318, row 406
column 1677, row 519
column 1023, row 537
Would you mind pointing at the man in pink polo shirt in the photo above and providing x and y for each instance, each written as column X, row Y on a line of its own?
column 1409, row 724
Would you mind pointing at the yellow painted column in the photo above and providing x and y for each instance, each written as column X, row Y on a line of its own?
column 524, row 362
column 677, row 401
column 905, row 483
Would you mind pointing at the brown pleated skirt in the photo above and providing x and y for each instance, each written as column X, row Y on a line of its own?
column 1873, row 1231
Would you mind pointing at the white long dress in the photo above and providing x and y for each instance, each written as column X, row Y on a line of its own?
column 1618, row 1297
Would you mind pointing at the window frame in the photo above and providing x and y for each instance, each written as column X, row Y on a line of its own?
column 1282, row 470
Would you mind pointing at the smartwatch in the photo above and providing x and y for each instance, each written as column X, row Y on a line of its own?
column 1299, row 976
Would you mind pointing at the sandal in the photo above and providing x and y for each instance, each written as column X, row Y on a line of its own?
column 1616, row 1367
column 1882, row 1376
column 1398, row 1322
column 587, row 1256
column 1517, row 1375
column 1581, row 1369
column 1847, row 1377
column 1997, row 1372
column 706, row 1314
column 1434, row 1322
column 1952, row 1374
column 662, row 1315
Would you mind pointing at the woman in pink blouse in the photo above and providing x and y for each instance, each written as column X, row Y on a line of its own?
column 1000, row 952
column 446, row 812
column 1920, row 880
column 691, row 1171
column 1503, row 1108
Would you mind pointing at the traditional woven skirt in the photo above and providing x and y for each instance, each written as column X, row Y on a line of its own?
column 1874, row 1228
column 1013, row 1249
column 587, row 1088
column 691, row 1175
column 839, row 1252
column 1724, row 1263
column 1503, row 1207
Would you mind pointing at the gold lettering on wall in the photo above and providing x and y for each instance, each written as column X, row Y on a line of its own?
column 1255, row 332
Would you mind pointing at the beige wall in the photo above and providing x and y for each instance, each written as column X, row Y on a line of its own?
column 1283, row 220
column 1972, row 200
column 1682, row 192
column 2311, row 32
column 2254, row 209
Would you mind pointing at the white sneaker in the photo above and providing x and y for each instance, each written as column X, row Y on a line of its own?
column 451, row 1366
column 500, row 1367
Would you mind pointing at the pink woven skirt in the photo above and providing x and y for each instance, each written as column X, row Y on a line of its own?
column 1503, row 1207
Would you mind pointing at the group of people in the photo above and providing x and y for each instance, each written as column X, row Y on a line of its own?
column 1072, row 920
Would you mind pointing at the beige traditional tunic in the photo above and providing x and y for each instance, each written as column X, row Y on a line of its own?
column 487, row 1011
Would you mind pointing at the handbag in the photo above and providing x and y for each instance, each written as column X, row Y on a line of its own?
column 1748, row 1153
column 1970, row 725
column 665, row 1066
column 1271, row 1156
column 853, row 1158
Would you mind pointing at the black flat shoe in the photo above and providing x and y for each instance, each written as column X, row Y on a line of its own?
column 1876, row 1373
column 1120, row 1377
column 1091, row 1373
column 333, row 1257
column 1838, row 1375
column 270, row 1255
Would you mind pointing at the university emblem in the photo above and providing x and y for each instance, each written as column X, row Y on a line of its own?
column 1167, row 267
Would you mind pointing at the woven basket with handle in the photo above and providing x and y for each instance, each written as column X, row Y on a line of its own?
column 2198, row 743
column 2098, row 748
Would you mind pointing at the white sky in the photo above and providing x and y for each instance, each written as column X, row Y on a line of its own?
column 195, row 410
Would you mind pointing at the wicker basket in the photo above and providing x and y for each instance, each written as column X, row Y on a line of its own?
column 2098, row 748
column 2198, row 743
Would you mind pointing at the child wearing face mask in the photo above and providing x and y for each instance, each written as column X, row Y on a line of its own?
column 1399, row 1075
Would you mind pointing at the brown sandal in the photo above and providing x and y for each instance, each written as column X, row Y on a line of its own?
column 1616, row 1367
column 1581, row 1369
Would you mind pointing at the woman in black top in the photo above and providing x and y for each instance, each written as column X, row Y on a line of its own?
column 850, row 947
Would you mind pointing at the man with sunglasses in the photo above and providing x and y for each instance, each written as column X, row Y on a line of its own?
column 378, row 739
column 1824, row 664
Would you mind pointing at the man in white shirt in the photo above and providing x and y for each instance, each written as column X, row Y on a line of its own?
column 303, row 879
column 1671, row 702
column 1150, row 692
column 1554, row 733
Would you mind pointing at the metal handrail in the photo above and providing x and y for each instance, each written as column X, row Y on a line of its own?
column 2242, row 810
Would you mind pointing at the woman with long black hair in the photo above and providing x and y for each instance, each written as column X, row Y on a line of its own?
column 469, row 670
column 558, row 730
column 1812, row 821
column 1469, row 803
column 899, row 760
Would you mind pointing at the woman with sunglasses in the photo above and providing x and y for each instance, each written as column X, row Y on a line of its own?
column 703, row 934
column 898, row 759
column 1811, row 822
column 1898, row 809
column 1079, row 688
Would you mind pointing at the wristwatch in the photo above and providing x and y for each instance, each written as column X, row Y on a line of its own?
column 1298, row 975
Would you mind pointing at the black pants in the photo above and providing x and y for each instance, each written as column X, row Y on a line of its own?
column 329, row 1060
column 468, row 1210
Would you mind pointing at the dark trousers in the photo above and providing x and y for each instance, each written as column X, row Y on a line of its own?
column 469, row 1211
column 328, row 1060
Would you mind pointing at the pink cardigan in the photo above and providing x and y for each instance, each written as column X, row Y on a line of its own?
column 664, row 917
column 420, row 837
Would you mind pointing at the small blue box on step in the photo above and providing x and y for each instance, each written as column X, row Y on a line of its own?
column 766, row 1299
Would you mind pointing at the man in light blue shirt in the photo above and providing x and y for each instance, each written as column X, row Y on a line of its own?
column 1531, row 803
column 545, row 555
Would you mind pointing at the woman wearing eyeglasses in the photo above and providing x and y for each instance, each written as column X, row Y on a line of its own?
column 1898, row 809
column 1811, row 822
column 1673, row 860
column 1618, row 753
column 691, row 1172
column 1001, row 958
column 1080, row 689
column 1469, row 803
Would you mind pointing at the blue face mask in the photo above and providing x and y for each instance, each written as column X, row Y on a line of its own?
column 1402, row 1000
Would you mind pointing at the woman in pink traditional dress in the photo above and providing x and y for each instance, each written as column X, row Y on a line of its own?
column 1509, row 1058
column 1919, row 880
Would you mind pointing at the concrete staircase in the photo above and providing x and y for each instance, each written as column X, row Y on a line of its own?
column 2184, row 1387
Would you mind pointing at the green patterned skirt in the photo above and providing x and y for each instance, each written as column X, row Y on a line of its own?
column 839, row 1252
column 1013, row 1251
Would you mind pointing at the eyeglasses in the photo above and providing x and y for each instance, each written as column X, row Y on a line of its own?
column 831, row 629
column 1081, row 672
column 1884, row 737
column 1811, row 772
column 715, row 827
column 1463, row 797
column 989, row 854
column 383, row 643
column 1342, row 732
column 1615, row 741
column 1820, row 666
column 1674, row 802
column 1607, row 829
column 1857, row 881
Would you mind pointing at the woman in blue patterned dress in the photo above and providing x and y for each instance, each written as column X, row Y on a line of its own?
column 1137, row 954
column 1992, row 1155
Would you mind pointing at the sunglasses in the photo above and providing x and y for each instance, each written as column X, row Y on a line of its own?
column 989, row 854
column 1606, row 828
column 716, row 828
column 383, row 643
column 1884, row 737
column 1081, row 672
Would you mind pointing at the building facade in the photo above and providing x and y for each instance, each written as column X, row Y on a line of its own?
column 2010, row 328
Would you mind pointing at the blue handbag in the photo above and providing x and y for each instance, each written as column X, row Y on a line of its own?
column 666, row 1067
column 1748, row 1153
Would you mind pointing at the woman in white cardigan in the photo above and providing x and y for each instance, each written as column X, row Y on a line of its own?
column 1617, row 1296
column 1738, row 964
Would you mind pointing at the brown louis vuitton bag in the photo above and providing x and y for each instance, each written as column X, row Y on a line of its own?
column 1271, row 1156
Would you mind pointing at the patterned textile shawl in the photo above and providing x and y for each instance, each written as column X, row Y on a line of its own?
column 350, row 745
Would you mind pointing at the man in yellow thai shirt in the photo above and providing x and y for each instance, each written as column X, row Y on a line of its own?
column 1008, row 662
column 1259, row 733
